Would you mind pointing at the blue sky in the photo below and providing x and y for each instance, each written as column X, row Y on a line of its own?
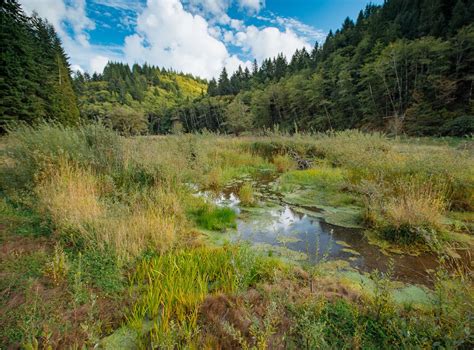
column 195, row 36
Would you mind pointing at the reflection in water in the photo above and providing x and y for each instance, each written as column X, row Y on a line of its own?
column 283, row 226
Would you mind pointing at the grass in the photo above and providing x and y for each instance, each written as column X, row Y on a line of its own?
column 82, row 209
column 246, row 195
column 215, row 218
column 175, row 284
column 283, row 163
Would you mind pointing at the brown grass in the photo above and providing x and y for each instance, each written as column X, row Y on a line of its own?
column 73, row 198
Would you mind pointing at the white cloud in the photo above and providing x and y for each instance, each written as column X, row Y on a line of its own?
column 309, row 33
column 128, row 5
column 98, row 63
column 83, row 55
column 187, row 35
column 170, row 36
column 252, row 5
column 208, row 7
column 269, row 42
column 219, row 7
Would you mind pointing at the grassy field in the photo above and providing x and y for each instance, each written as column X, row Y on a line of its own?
column 102, row 241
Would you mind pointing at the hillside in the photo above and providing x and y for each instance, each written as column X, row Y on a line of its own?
column 143, row 93
column 404, row 67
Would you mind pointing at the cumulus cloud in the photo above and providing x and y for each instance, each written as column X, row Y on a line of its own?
column 187, row 35
column 252, row 5
column 173, row 37
column 269, row 42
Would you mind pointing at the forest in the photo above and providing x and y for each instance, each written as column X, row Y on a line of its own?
column 403, row 68
column 319, row 201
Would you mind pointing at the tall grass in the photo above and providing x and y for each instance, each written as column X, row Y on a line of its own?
column 33, row 151
column 247, row 194
column 175, row 284
column 75, row 199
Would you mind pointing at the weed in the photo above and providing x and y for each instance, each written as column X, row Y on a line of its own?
column 58, row 267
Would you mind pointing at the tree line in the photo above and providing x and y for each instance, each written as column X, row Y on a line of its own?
column 35, row 76
column 405, row 66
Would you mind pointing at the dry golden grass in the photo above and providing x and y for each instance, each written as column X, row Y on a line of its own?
column 416, row 205
column 71, row 195
column 246, row 195
column 153, row 220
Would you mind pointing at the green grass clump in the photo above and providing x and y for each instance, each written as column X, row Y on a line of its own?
column 215, row 218
column 174, row 285
column 246, row 195
column 321, row 176
column 283, row 163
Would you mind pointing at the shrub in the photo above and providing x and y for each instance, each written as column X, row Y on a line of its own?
column 127, row 121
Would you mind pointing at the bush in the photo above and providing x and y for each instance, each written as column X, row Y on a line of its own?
column 127, row 121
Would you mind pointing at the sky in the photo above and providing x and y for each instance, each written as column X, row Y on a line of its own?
column 193, row 36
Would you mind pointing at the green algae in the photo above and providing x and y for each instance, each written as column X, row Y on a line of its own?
column 283, row 252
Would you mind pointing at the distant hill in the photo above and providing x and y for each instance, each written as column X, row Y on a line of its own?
column 143, row 88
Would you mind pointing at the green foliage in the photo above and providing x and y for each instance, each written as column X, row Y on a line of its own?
column 238, row 118
column 99, row 268
column 127, row 121
column 36, row 82
column 143, row 94
column 215, row 218
column 403, row 67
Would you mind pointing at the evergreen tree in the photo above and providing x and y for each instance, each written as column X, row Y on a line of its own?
column 212, row 88
column 460, row 17
column 224, row 87
column 35, row 74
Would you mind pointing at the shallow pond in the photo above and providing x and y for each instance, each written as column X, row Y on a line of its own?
column 301, row 234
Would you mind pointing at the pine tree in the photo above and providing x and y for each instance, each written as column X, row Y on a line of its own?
column 19, row 83
column 212, row 88
column 460, row 16
column 224, row 87
column 35, row 74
